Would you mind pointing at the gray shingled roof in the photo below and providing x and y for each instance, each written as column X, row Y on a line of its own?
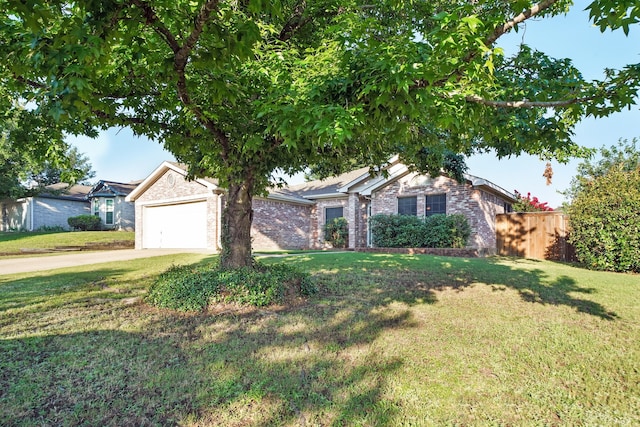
column 325, row 186
column 113, row 188
column 62, row 190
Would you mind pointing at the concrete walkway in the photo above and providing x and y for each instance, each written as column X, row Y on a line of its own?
column 51, row 262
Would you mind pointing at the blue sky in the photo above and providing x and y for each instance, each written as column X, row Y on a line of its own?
column 119, row 156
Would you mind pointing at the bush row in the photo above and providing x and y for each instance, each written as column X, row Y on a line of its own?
column 193, row 288
column 408, row 231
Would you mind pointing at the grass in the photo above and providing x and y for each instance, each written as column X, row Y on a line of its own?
column 390, row 340
column 15, row 242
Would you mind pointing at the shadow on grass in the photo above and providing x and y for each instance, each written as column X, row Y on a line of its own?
column 313, row 364
column 175, row 372
column 414, row 279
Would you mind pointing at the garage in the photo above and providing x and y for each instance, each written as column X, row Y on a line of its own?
column 181, row 226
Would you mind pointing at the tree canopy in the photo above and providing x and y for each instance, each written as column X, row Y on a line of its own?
column 237, row 89
column 625, row 155
column 35, row 156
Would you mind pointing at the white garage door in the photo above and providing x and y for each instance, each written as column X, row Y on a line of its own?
column 175, row 226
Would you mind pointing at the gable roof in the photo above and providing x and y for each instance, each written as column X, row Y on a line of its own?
column 111, row 188
column 159, row 172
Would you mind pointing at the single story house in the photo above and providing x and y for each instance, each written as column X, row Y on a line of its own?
column 172, row 212
column 106, row 199
column 49, row 209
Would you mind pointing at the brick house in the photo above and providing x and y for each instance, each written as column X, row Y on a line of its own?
column 174, row 212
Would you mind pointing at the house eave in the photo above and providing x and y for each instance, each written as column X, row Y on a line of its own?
column 288, row 199
column 490, row 187
column 383, row 182
column 326, row 196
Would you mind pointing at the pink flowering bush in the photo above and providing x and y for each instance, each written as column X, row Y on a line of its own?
column 529, row 204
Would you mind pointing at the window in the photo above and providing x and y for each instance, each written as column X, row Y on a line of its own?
column 96, row 207
column 332, row 213
column 109, row 212
column 408, row 205
column 436, row 204
column 507, row 207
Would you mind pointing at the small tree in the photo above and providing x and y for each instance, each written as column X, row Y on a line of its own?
column 605, row 221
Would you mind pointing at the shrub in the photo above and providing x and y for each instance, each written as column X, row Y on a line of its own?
column 408, row 231
column 605, row 221
column 183, row 288
column 529, row 204
column 396, row 231
column 85, row 222
column 51, row 229
column 188, row 288
column 336, row 232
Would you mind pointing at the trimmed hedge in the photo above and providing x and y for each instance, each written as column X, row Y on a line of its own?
column 408, row 231
column 85, row 222
column 193, row 288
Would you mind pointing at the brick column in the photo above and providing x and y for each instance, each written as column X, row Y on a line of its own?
column 352, row 218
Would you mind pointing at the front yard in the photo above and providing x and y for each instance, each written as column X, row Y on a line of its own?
column 389, row 340
column 15, row 243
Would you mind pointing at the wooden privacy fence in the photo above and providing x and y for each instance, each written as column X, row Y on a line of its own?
column 538, row 235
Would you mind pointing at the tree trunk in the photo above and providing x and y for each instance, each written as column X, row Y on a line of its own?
column 236, row 227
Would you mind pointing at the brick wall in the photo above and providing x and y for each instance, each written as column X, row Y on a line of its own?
column 480, row 207
column 279, row 225
column 321, row 205
column 49, row 212
column 124, row 215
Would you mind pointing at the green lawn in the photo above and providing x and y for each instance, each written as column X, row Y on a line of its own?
column 11, row 243
column 390, row 340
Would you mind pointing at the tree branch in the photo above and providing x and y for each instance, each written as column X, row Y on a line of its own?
column 294, row 23
column 157, row 25
column 181, row 58
column 526, row 103
column 527, row 14
column 491, row 39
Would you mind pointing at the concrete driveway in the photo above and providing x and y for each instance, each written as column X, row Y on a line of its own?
column 43, row 263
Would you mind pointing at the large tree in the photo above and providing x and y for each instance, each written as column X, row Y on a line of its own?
column 239, row 88
column 34, row 154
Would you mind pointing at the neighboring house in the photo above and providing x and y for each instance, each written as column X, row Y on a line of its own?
column 107, row 200
column 173, row 212
column 46, row 209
